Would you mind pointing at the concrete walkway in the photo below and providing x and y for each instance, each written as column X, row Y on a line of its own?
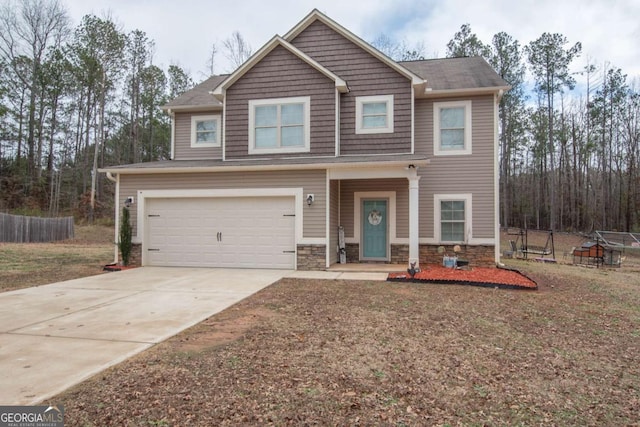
column 55, row 336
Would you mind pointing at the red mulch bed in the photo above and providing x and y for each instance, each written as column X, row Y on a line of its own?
column 115, row 267
column 476, row 276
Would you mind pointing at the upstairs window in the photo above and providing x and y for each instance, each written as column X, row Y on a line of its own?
column 452, row 128
column 279, row 125
column 205, row 131
column 374, row 114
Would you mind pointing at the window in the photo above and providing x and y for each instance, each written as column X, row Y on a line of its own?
column 279, row 125
column 205, row 131
column 453, row 217
column 374, row 114
column 452, row 128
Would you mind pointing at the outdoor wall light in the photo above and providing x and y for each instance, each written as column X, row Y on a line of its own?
column 310, row 198
column 128, row 202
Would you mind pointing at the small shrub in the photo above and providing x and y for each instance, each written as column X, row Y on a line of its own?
column 124, row 243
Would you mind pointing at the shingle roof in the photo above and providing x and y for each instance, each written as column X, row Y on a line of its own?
column 456, row 73
column 199, row 95
column 441, row 74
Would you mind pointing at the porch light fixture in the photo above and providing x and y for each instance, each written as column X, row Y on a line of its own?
column 310, row 198
column 128, row 202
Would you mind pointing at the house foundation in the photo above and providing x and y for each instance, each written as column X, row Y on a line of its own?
column 135, row 258
column 311, row 257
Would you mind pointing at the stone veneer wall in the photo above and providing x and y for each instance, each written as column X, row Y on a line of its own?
column 135, row 259
column 478, row 256
column 353, row 252
column 399, row 254
column 312, row 257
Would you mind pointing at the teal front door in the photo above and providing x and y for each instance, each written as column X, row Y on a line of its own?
column 374, row 229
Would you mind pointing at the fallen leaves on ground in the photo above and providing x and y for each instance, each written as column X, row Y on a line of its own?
column 319, row 352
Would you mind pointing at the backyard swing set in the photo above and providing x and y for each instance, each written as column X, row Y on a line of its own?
column 521, row 248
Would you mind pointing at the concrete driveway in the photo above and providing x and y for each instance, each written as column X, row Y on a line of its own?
column 55, row 336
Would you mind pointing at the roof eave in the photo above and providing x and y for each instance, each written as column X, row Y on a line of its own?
column 193, row 107
column 429, row 93
column 264, row 167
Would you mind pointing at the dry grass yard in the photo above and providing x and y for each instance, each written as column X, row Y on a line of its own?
column 312, row 352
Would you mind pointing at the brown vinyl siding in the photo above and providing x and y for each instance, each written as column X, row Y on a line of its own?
column 334, row 220
column 182, row 139
column 366, row 76
column 349, row 187
column 312, row 182
column 281, row 74
column 459, row 173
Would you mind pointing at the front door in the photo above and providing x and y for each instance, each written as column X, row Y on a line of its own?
column 374, row 229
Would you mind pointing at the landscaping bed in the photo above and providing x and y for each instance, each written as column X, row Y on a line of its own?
column 477, row 276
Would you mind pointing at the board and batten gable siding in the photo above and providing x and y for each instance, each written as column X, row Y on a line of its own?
column 366, row 76
column 459, row 173
column 349, row 187
column 182, row 139
column 281, row 74
column 312, row 182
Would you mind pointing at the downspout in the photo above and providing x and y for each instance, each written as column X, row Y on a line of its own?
column 116, row 179
column 173, row 130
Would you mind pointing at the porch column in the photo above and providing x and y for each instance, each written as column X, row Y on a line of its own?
column 414, row 209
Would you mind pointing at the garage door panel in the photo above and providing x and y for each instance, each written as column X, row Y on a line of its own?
column 253, row 232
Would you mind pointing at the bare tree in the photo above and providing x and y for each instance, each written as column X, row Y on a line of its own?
column 399, row 50
column 236, row 49
column 26, row 31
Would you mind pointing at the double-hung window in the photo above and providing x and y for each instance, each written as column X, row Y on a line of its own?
column 374, row 114
column 279, row 125
column 452, row 128
column 205, row 131
column 453, row 217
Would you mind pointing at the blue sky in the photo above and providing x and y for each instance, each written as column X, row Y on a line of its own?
column 184, row 30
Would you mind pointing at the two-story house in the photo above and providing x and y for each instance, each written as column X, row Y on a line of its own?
column 317, row 140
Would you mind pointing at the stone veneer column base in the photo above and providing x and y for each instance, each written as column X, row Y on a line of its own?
column 312, row 257
column 135, row 258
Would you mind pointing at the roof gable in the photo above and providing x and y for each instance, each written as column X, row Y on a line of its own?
column 219, row 91
column 316, row 15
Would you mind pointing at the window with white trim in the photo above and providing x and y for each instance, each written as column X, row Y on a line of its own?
column 205, row 131
column 452, row 128
column 452, row 217
column 279, row 125
column 374, row 114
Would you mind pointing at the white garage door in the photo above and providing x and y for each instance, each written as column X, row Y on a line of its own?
column 242, row 232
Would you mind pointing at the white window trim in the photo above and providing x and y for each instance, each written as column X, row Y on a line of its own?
column 437, row 106
column 196, row 118
column 305, row 100
column 468, row 209
column 360, row 100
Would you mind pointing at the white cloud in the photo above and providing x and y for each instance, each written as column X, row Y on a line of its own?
column 185, row 29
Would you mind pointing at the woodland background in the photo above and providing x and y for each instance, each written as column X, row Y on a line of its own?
column 74, row 99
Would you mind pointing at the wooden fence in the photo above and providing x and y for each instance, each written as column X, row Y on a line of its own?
column 26, row 229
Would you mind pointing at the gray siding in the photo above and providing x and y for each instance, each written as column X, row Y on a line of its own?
column 314, row 181
column 365, row 75
column 334, row 220
column 399, row 185
column 459, row 174
column 281, row 74
column 182, row 149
